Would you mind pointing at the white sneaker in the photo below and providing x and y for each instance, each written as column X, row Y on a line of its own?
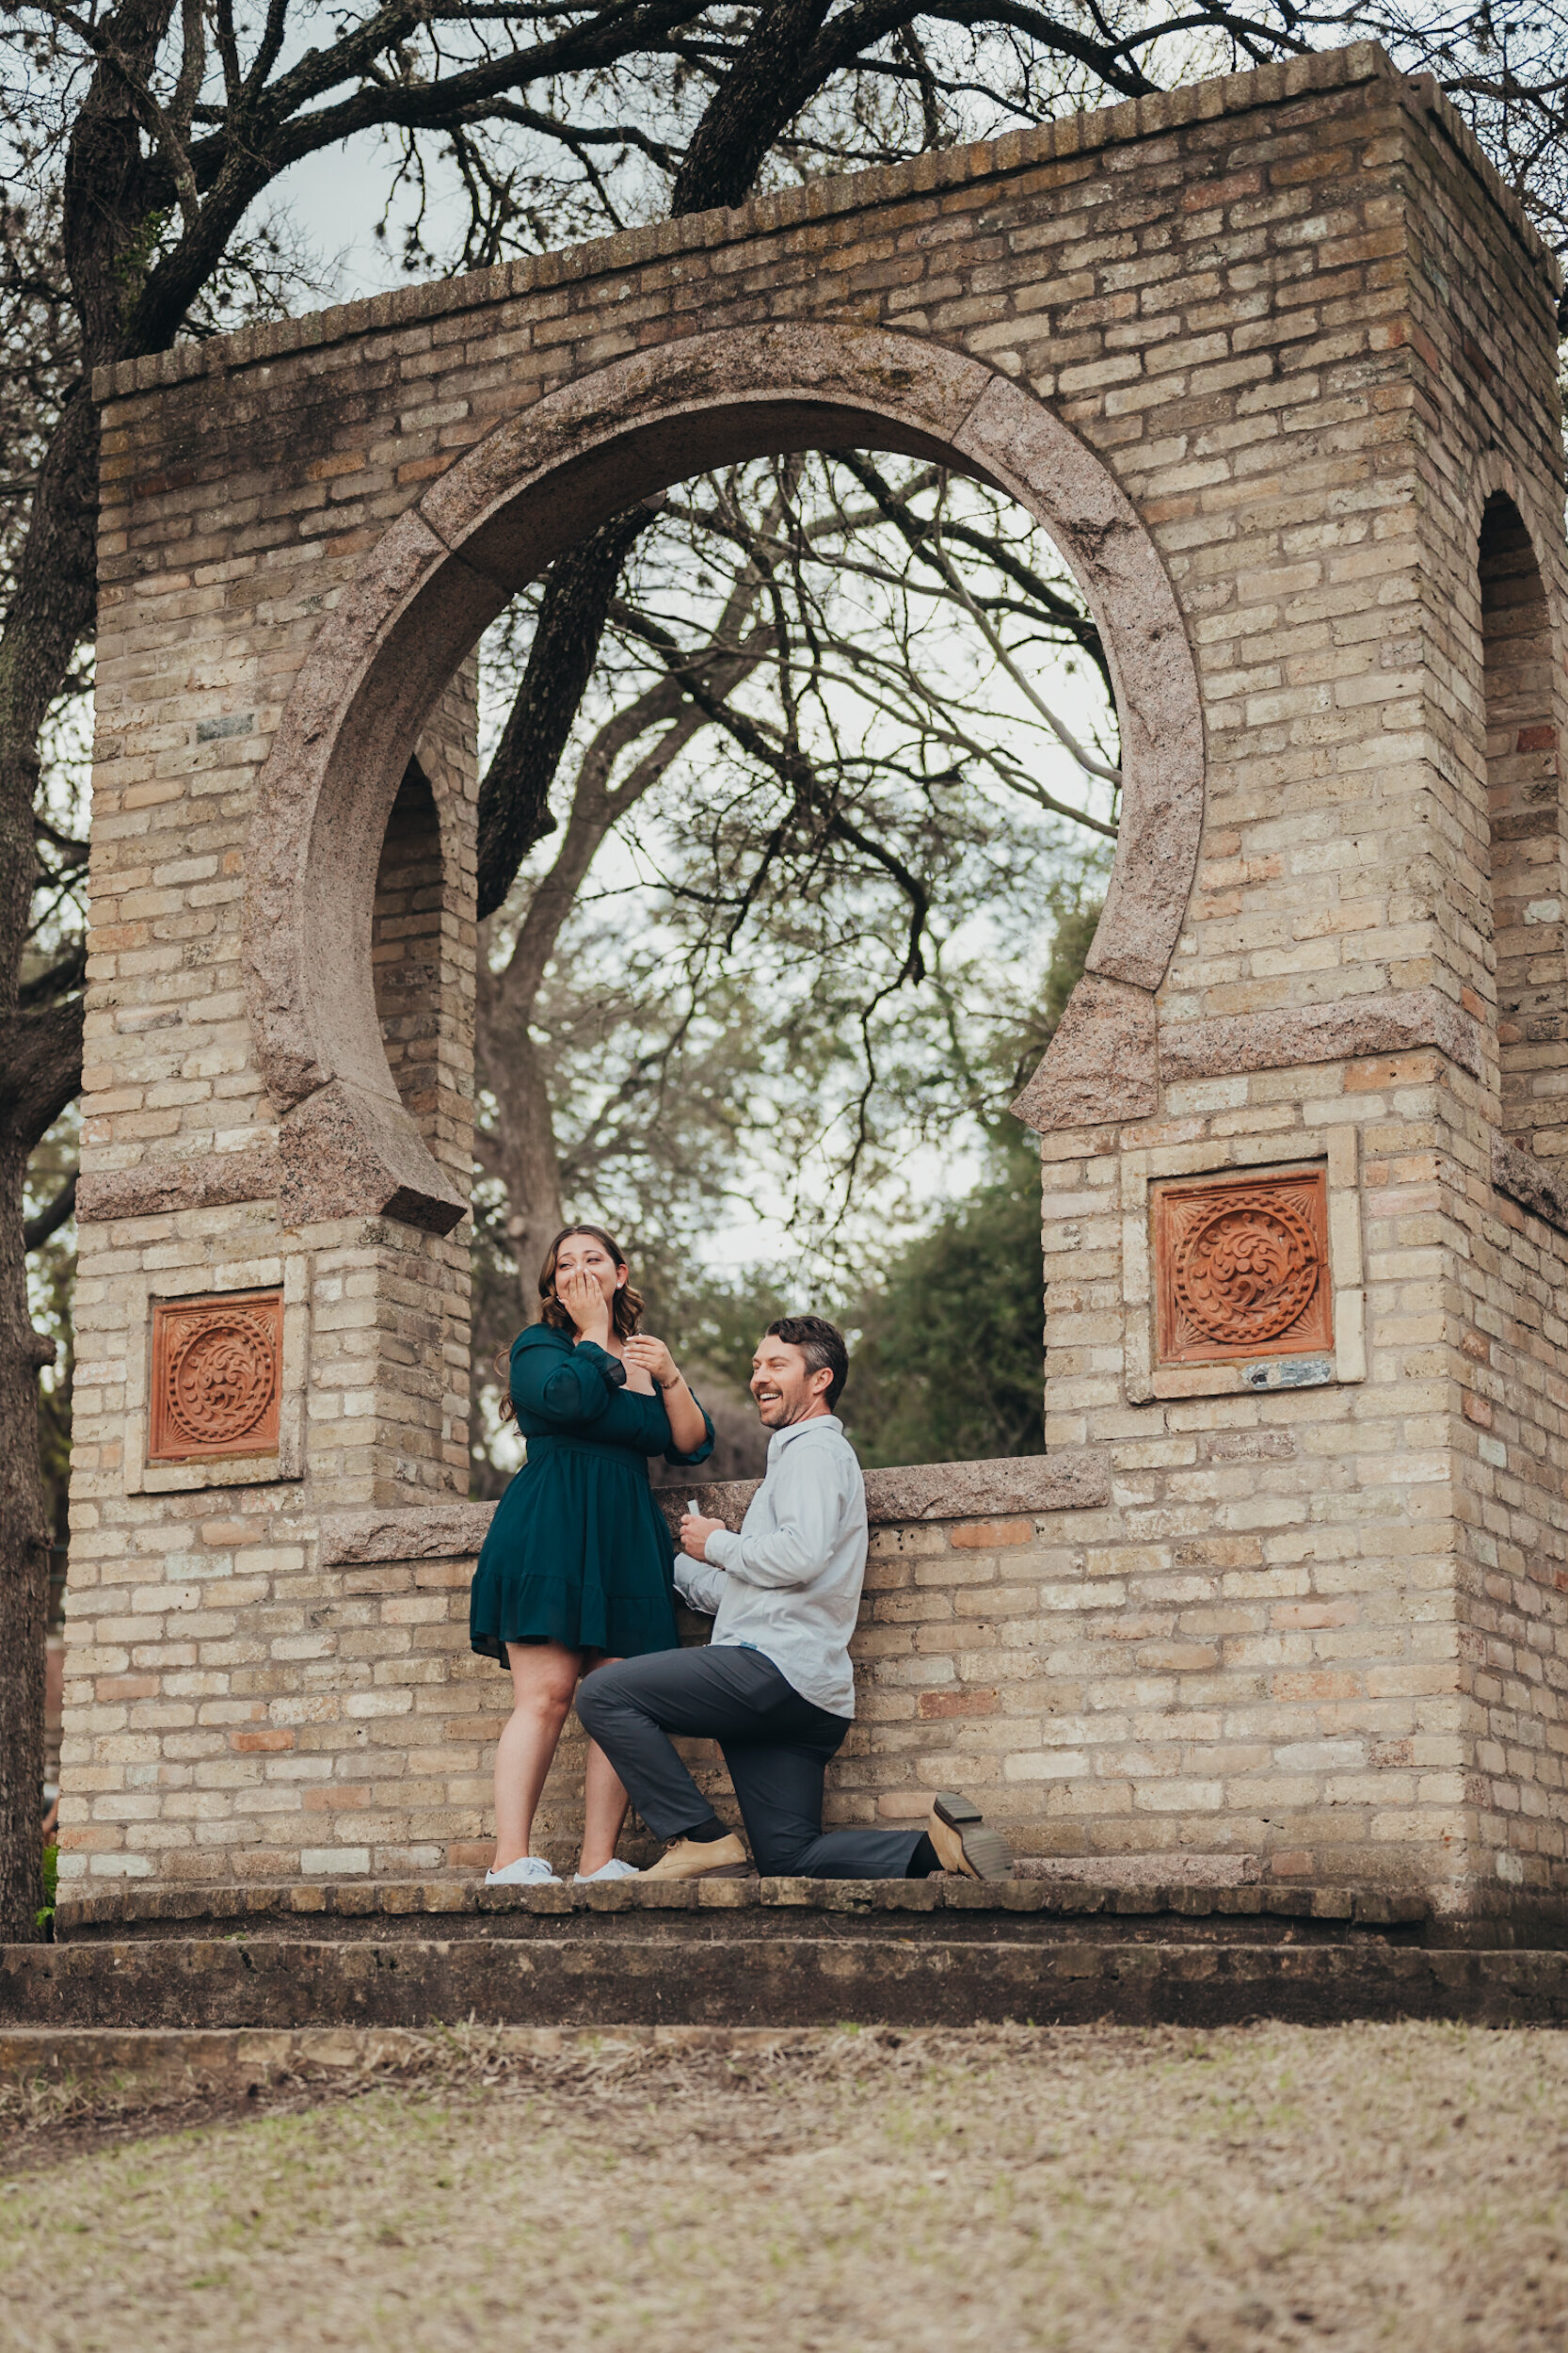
column 529, row 1870
column 614, row 1869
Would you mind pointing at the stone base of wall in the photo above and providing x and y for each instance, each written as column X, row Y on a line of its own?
column 1120, row 1713
column 785, row 1953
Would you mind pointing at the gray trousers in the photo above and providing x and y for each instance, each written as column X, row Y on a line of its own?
column 775, row 1744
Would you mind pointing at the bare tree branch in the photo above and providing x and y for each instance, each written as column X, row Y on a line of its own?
column 37, row 1230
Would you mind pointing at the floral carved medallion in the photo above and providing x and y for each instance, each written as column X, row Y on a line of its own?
column 216, row 1376
column 1241, row 1268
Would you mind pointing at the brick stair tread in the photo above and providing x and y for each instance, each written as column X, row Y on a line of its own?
column 151, row 1909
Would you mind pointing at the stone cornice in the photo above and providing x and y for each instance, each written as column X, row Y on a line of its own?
column 1014, row 1486
column 1111, row 1054
column 160, row 1187
column 1291, row 1035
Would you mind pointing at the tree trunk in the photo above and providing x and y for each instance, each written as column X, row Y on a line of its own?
column 523, row 1150
column 514, row 800
column 758, row 98
column 40, row 1065
column 41, row 1050
column 25, row 1566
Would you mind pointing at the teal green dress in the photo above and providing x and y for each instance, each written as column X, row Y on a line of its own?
column 578, row 1551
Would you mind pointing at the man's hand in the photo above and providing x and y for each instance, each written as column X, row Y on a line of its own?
column 694, row 1533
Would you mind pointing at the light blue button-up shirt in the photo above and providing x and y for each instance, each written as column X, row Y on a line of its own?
column 788, row 1584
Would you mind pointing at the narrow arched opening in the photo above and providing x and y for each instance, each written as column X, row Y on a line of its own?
column 406, row 947
column 1525, row 832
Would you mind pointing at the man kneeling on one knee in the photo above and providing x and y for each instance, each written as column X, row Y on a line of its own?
column 775, row 1686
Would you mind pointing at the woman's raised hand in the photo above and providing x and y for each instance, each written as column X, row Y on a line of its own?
column 653, row 1357
column 586, row 1304
column 688, row 1423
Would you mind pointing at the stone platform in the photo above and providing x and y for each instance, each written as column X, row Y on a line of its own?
column 765, row 1953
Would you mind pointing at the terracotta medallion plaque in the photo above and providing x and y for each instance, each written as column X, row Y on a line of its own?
column 216, row 1375
column 1241, row 1268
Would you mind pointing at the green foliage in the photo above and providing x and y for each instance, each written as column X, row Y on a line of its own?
column 947, row 1364
column 713, row 1327
column 946, row 1340
column 45, row 1917
column 946, row 1349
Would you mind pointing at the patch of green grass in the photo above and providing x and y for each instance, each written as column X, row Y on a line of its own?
column 45, row 1917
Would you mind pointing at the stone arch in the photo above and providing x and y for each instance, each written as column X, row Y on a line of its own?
column 536, row 484
column 1521, row 772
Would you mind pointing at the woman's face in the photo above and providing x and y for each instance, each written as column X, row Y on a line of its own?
column 580, row 1254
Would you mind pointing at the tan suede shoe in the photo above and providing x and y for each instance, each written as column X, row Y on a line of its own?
column 690, row 1859
column 957, row 1830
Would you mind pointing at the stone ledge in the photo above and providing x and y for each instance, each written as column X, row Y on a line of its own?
column 794, row 1979
column 1073, row 1480
column 424, row 1531
column 1166, row 1868
column 836, row 194
column 403, row 1900
column 158, row 1186
column 1296, row 1034
column 1102, row 1067
column 1539, row 1186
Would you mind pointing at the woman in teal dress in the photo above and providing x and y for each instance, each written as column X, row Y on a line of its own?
column 577, row 1567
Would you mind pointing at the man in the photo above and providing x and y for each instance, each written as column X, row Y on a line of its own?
column 775, row 1686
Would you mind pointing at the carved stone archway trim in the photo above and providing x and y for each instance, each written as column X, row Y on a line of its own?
column 534, row 485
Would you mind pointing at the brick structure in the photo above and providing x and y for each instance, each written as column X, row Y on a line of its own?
column 1273, row 360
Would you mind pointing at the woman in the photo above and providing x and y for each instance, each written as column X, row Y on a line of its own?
column 577, row 1567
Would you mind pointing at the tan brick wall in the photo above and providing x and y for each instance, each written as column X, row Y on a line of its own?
column 1290, row 1553
column 1320, row 1623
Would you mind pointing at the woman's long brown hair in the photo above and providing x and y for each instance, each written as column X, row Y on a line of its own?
column 625, row 1308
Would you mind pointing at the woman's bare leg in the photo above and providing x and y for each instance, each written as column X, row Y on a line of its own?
column 544, row 1677
column 604, row 1804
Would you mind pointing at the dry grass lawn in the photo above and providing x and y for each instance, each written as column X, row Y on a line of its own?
column 1094, row 2191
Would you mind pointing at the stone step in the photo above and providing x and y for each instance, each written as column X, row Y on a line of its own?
column 809, row 1970
column 955, row 1909
column 765, row 1953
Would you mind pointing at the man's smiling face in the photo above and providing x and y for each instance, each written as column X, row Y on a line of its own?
column 785, row 1391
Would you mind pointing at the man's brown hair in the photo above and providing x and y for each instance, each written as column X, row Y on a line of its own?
column 821, row 1344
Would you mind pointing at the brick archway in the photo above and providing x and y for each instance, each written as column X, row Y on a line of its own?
column 1276, row 1605
column 537, row 483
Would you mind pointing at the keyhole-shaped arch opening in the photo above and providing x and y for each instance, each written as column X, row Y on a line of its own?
column 1522, row 791
column 542, row 479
